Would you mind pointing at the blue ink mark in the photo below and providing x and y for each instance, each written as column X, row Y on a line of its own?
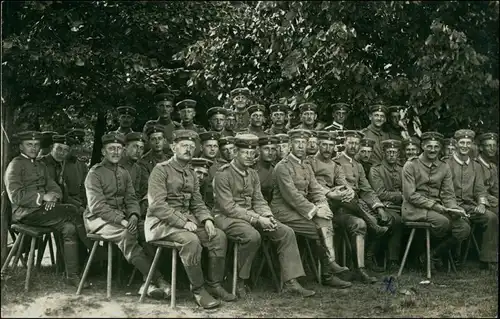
column 389, row 284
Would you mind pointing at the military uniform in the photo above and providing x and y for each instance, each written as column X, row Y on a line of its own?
column 411, row 148
column 46, row 142
column 376, row 134
column 265, row 170
column 230, row 119
column 255, row 130
column 303, row 108
column 365, row 143
column 489, row 171
column 274, row 129
column 206, row 188
column 394, row 132
column 336, row 126
column 125, row 110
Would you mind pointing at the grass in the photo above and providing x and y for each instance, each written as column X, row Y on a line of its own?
column 470, row 293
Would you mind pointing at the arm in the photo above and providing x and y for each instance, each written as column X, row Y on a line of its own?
column 366, row 192
column 98, row 206
column 196, row 205
column 447, row 192
column 50, row 183
column 16, row 190
column 410, row 188
column 480, row 191
column 259, row 204
column 130, row 197
column 377, row 182
column 142, row 195
column 316, row 191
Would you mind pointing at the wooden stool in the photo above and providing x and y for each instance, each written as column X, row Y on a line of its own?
column 26, row 231
column 235, row 266
column 307, row 258
column 472, row 238
column 414, row 226
column 264, row 248
column 98, row 238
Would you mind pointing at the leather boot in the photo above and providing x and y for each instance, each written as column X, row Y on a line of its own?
column 371, row 260
column 200, row 294
column 241, row 288
column 331, row 280
column 142, row 264
column 293, row 286
column 72, row 267
column 359, row 247
column 364, row 212
column 326, row 235
column 215, row 275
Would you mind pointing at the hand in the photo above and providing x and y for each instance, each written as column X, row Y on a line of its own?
column 266, row 223
column 324, row 212
column 481, row 209
column 439, row 208
column 50, row 197
column 132, row 224
column 49, row 205
column 190, row 226
column 274, row 221
column 349, row 195
column 384, row 217
column 335, row 194
column 124, row 223
column 210, row 229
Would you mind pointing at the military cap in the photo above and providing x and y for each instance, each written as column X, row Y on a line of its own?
column 299, row 133
column 210, row 135
column 391, row 144
column 278, row 108
column 113, row 138
column 240, row 91
column 378, row 108
column 126, row 110
column 449, row 141
column 47, row 138
column 314, row 134
column 353, row 133
column 164, row 97
column 77, row 135
column 340, row 106
column 282, row 138
column 327, row 136
column 229, row 113
column 433, row 136
column 201, row 162
column 307, row 107
column 465, row 133
column 412, row 140
column 186, row 104
column 225, row 140
column 156, row 128
column 246, row 140
column 217, row 110
column 29, row 135
column 180, row 135
column 488, row 136
column 268, row 140
column 61, row 139
column 395, row 108
column 256, row 108
column 367, row 142
column 135, row 136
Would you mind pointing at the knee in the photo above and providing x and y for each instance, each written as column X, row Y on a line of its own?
column 441, row 223
column 358, row 225
column 396, row 220
column 252, row 237
column 68, row 231
column 491, row 218
column 461, row 230
column 220, row 239
column 287, row 231
column 191, row 242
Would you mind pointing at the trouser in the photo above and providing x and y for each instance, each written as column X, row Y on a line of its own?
column 62, row 219
column 149, row 250
column 443, row 224
column 392, row 238
column 358, row 208
column 356, row 230
column 489, row 222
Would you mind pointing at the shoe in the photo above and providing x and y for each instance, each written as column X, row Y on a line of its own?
column 204, row 299
column 241, row 288
column 371, row 264
column 165, row 286
column 153, row 291
column 215, row 275
column 336, row 282
column 293, row 286
column 74, row 281
column 221, row 293
column 363, row 276
column 393, row 266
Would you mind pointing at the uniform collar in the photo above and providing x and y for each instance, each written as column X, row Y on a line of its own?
column 338, row 124
column 27, row 157
column 372, row 129
column 389, row 166
column 154, row 155
column 178, row 165
column 239, row 171
column 483, row 161
column 164, row 120
column 127, row 160
column 295, row 158
column 321, row 159
column 426, row 163
column 459, row 161
column 120, row 130
column 108, row 164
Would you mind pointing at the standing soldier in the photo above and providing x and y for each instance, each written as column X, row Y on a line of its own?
column 243, row 214
column 113, row 210
column 470, row 193
column 278, row 117
column 240, row 98
column 411, row 148
column 375, row 132
column 393, row 126
column 177, row 213
column 365, row 153
column 201, row 167
column 312, row 144
column 209, row 150
column 226, row 149
column 385, row 179
column 282, row 146
column 230, row 123
column 217, row 119
column 34, row 197
column 300, row 202
column 46, row 143
column 339, row 115
column 257, row 115
column 164, row 107
column 126, row 119
column 449, row 147
column 428, row 196
column 308, row 116
column 187, row 112
column 487, row 152
column 265, row 165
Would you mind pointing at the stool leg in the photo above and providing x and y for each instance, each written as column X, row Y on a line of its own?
column 478, row 250
column 119, row 267
column 12, row 251
column 150, row 274
column 31, row 260
column 41, row 251
column 344, row 253
column 235, row 267
column 259, row 271
column 173, row 297
column 19, row 251
column 51, row 251
column 131, row 277
column 407, row 250
column 467, row 247
column 87, row 267
column 110, row 270
column 313, row 263
column 451, row 262
column 428, row 248
column 319, row 270
column 271, row 267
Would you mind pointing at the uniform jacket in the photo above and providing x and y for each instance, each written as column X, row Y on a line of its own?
column 26, row 182
column 266, row 179
column 328, row 173
column 174, row 199
column 206, row 189
column 296, row 193
column 110, row 193
column 193, row 127
column 273, row 130
column 489, row 172
column 378, row 136
column 425, row 184
column 242, row 120
column 237, row 194
column 385, row 180
column 170, row 127
column 121, row 131
column 303, row 127
column 133, row 168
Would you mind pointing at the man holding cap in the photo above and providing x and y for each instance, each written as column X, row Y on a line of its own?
column 257, row 115
column 365, row 153
column 308, row 116
column 487, row 153
column 429, row 196
column 177, row 213
column 113, row 210
column 243, row 214
column 240, row 98
column 126, row 118
column 375, row 132
column 339, row 115
column 265, row 165
column 278, row 118
column 470, row 193
column 187, row 112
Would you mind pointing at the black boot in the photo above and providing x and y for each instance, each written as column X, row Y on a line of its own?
column 142, row 263
column 331, row 280
column 200, row 294
column 215, row 275
column 326, row 235
column 358, row 245
column 72, row 267
column 365, row 213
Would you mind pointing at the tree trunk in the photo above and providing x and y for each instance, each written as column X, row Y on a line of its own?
column 99, row 130
column 7, row 120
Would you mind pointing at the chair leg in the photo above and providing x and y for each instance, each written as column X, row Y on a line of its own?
column 87, row 267
column 13, row 251
column 173, row 296
column 131, row 279
column 407, row 250
column 313, row 262
column 110, row 270
column 478, row 250
column 451, row 263
column 31, row 260
column 51, row 251
column 235, row 267
column 344, row 252
column 19, row 250
column 150, row 274
column 60, row 266
column 274, row 277
column 259, row 271
column 319, row 271
column 428, row 249
column 41, row 251
column 467, row 247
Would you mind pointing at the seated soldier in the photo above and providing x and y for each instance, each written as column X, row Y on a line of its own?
column 487, row 153
column 177, row 213
column 35, row 197
column 242, row 213
column 226, row 149
column 113, row 210
column 428, row 196
column 265, row 166
column 365, row 153
column 201, row 167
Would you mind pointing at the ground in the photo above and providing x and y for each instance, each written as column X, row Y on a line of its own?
column 470, row 293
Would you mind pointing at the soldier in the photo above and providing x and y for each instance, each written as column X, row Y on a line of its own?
column 265, row 165
column 34, row 197
column 164, row 107
column 470, row 193
column 375, row 132
column 282, row 146
column 365, row 153
column 46, row 142
column 177, row 213
column 113, row 210
column 126, row 118
column 449, row 147
column 209, row 149
column 385, row 179
column 134, row 149
column 300, row 202
column 278, row 117
column 487, row 152
column 187, row 113
column 257, row 116
column 312, row 144
column 217, row 119
column 411, row 148
column 339, row 115
column 240, row 98
column 200, row 167
column 428, row 196
column 393, row 126
column 76, row 169
column 308, row 116
column 226, row 149
column 243, row 214
column 230, row 123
